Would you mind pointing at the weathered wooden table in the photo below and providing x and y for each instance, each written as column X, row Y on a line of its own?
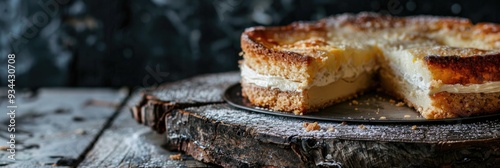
column 94, row 128
column 82, row 128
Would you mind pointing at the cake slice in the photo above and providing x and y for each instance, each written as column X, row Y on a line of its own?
column 298, row 69
column 443, row 67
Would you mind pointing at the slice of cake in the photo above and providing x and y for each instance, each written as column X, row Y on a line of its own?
column 443, row 67
column 297, row 68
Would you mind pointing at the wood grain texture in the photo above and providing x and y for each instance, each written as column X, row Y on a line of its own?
column 56, row 126
column 128, row 144
column 202, row 90
column 217, row 133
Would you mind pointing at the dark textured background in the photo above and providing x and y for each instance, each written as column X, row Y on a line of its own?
column 142, row 43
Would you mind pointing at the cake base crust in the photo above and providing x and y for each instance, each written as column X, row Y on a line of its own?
column 274, row 99
column 467, row 104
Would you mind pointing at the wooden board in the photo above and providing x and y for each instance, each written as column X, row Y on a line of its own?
column 55, row 127
column 214, row 132
column 128, row 144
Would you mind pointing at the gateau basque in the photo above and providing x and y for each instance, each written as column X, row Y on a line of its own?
column 443, row 67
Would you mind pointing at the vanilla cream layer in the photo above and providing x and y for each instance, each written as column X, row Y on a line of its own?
column 488, row 87
column 268, row 81
column 413, row 70
column 323, row 78
column 286, row 85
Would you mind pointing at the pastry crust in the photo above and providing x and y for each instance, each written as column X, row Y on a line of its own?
column 475, row 69
column 466, row 104
column 275, row 99
column 258, row 44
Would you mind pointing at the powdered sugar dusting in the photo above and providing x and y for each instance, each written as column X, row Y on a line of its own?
column 204, row 89
column 263, row 124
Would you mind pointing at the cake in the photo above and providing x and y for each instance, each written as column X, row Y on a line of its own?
column 443, row 67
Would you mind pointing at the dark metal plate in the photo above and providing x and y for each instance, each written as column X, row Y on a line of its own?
column 371, row 108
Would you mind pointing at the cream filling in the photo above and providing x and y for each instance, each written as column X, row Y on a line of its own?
column 339, row 90
column 405, row 65
column 287, row 85
column 421, row 84
column 322, row 79
column 488, row 87
column 273, row 82
column 418, row 97
column 349, row 72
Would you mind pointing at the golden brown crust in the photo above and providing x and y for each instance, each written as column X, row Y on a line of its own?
column 465, row 70
column 258, row 45
column 258, row 48
column 452, row 26
column 258, row 57
column 486, row 28
column 374, row 21
column 467, row 104
column 259, row 41
column 367, row 21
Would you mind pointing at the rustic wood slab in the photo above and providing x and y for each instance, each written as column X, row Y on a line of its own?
column 220, row 134
column 128, row 144
column 55, row 127
column 214, row 132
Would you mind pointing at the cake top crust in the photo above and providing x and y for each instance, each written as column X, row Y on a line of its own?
column 372, row 27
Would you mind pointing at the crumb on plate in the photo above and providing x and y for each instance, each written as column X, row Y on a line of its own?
column 392, row 101
column 400, row 104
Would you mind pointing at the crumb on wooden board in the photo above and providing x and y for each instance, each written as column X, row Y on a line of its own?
column 362, row 127
column 311, row 126
column 414, row 127
column 176, row 157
